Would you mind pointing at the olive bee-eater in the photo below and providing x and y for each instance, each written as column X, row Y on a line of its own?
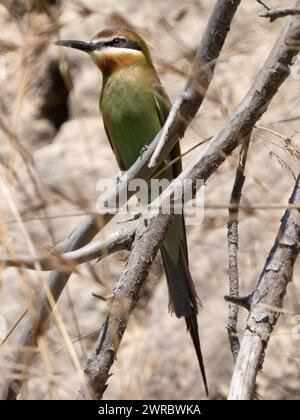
column 134, row 107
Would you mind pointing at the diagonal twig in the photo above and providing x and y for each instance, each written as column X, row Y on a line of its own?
column 274, row 13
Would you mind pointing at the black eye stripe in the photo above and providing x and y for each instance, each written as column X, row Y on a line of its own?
column 115, row 42
column 132, row 45
column 123, row 43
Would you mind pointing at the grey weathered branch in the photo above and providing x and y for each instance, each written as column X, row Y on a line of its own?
column 237, row 129
column 266, row 299
column 233, row 244
column 279, row 12
column 28, row 330
column 67, row 262
column 150, row 233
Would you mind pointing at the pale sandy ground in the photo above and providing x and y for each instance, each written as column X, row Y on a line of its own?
column 156, row 359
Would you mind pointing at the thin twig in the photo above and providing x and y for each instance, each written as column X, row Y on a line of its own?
column 263, row 3
column 267, row 296
column 274, row 13
column 67, row 262
column 233, row 244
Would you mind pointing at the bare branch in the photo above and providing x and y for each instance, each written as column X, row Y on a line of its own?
column 233, row 244
column 90, row 226
column 150, row 233
column 237, row 129
column 68, row 261
column 274, row 13
column 266, row 298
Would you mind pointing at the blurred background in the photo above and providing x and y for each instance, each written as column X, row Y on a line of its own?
column 53, row 150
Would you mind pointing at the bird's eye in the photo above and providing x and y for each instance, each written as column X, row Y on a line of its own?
column 117, row 41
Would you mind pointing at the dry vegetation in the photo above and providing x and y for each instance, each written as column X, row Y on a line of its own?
column 53, row 150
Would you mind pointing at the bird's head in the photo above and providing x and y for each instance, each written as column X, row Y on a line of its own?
column 112, row 49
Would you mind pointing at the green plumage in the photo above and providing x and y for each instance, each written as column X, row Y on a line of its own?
column 133, row 113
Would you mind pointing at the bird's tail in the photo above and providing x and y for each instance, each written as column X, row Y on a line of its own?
column 183, row 297
column 192, row 326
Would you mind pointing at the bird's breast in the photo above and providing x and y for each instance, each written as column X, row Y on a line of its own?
column 130, row 116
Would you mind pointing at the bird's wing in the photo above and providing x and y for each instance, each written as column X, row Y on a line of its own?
column 162, row 101
column 163, row 106
column 183, row 297
column 117, row 155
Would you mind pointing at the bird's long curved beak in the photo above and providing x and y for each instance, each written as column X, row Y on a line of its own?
column 79, row 45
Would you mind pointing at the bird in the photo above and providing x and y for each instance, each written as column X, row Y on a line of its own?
column 134, row 107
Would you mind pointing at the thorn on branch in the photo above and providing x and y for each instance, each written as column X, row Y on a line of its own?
column 244, row 301
column 103, row 298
